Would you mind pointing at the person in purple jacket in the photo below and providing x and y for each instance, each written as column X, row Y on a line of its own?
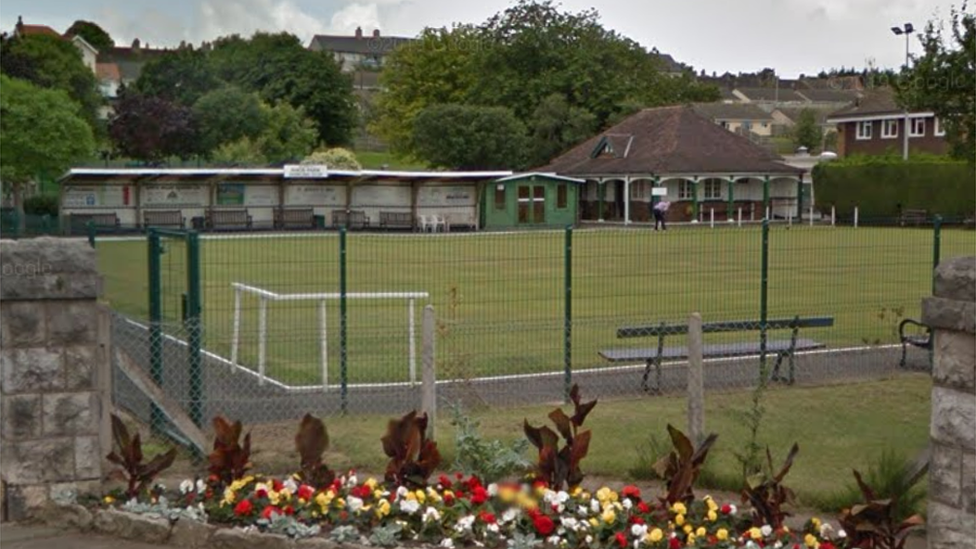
column 659, row 210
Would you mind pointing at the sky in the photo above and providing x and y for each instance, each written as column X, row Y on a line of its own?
column 791, row 36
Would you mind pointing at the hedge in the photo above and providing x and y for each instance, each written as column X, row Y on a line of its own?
column 881, row 187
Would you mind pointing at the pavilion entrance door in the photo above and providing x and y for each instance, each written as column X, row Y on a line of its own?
column 531, row 204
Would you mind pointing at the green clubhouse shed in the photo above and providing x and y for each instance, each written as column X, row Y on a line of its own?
column 530, row 200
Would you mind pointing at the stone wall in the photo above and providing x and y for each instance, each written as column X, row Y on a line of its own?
column 54, row 369
column 951, row 313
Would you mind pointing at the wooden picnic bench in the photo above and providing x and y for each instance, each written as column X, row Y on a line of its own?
column 783, row 348
column 396, row 220
column 351, row 219
column 294, row 218
column 914, row 217
column 78, row 222
column 236, row 218
column 172, row 219
column 922, row 340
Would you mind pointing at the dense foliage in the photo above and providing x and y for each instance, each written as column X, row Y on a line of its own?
column 92, row 33
column 469, row 137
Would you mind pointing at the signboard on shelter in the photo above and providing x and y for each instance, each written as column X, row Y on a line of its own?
column 306, row 171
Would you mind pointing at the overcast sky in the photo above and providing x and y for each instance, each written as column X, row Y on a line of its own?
column 791, row 36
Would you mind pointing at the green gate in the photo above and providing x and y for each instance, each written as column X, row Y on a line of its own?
column 175, row 302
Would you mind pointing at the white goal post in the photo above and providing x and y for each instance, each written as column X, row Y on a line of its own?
column 264, row 296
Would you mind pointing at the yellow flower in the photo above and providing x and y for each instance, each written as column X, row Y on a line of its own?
column 700, row 531
column 229, row 497
column 609, row 515
column 340, row 503
column 323, row 499
column 712, row 515
column 603, row 494
column 712, row 506
column 576, row 491
column 687, row 529
column 811, row 541
column 691, row 540
column 594, row 523
column 371, row 483
column 382, row 508
column 815, row 522
column 655, row 535
column 432, row 495
column 526, row 501
column 421, row 497
column 274, row 497
column 378, row 494
column 755, row 533
column 108, row 499
column 585, row 496
column 506, row 493
column 679, row 520
column 722, row 534
column 679, row 508
column 411, row 496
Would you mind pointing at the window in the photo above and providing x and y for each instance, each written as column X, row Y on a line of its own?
column 864, row 129
column 747, row 125
column 713, row 189
column 889, row 129
column 685, row 190
column 562, row 195
column 500, row 197
column 918, row 127
column 939, row 128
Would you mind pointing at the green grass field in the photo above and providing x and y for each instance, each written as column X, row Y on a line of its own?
column 500, row 297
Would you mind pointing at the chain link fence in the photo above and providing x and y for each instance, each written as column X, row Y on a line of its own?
column 330, row 323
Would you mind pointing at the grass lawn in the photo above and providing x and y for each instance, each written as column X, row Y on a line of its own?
column 372, row 160
column 500, row 296
column 837, row 427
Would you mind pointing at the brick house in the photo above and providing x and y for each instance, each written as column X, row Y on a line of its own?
column 358, row 52
column 875, row 125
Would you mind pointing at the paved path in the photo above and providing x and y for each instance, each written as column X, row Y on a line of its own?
column 27, row 536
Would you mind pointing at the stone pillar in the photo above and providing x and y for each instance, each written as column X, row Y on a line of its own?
column 951, row 313
column 54, row 359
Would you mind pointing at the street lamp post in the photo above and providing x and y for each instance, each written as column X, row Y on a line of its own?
column 907, row 29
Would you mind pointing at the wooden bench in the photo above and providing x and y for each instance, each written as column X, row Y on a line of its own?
column 163, row 218
column 294, row 218
column 78, row 223
column 351, row 219
column 922, row 340
column 914, row 217
column 229, row 219
column 783, row 348
column 396, row 220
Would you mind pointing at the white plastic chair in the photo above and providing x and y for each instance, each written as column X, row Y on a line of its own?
column 425, row 223
column 439, row 222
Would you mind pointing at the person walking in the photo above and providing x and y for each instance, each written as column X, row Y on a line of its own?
column 660, row 209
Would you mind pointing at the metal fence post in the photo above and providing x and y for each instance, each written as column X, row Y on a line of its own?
column 766, row 197
column 428, row 389
column 936, row 245
column 696, row 390
column 90, row 227
column 568, row 315
column 155, row 323
column 194, row 325
column 343, row 348
column 763, row 299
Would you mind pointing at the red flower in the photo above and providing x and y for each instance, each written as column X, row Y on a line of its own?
column 270, row 510
column 643, row 507
column 674, row 543
column 479, row 495
column 445, row 482
column 277, row 485
column 543, row 524
column 726, row 509
column 260, row 493
column 361, row 492
column 289, row 510
column 621, row 539
column 336, row 486
column 243, row 508
column 343, row 515
column 473, row 482
column 540, row 484
column 458, row 476
column 826, row 545
column 631, row 492
column 636, row 520
column 305, row 492
column 487, row 518
column 448, row 500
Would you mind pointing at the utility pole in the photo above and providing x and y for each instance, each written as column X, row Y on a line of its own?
column 907, row 29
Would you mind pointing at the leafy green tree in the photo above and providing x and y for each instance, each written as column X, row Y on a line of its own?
column 92, row 33
column 242, row 152
column 556, row 126
column 51, row 62
column 182, row 75
column 288, row 136
column 336, row 158
column 41, row 132
column 228, row 114
column 807, row 133
column 943, row 78
column 469, row 137
column 150, row 128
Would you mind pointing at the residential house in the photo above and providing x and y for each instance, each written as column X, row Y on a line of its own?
column 121, row 66
column 741, row 118
column 358, row 52
column 677, row 154
column 875, row 124
column 88, row 52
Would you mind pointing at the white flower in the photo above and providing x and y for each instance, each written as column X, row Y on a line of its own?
column 354, row 504
column 751, row 545
column 562, row 496
column 589, row 540
column 409, row 506
column 493, row 528
column 581, row 511
column 627, row 504
column 841, row 534
column 825, row 530
column 778, row 545
column 401, row 492
column 186, row 486
column 431, row 515
column 569, row 522
column 509, row 515
column 464, row 523
column 352, row 481
column 447, row 542
column 638, row 530
column 558, row 508
column 766, row 530
column 553, row 540
column 201, row 486
column 290, row 485
column 733, row 509
column 594, row 506
column 493, row 489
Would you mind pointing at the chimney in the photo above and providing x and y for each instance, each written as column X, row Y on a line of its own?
column 359, row 32
column 376, row 33
column 136, row 45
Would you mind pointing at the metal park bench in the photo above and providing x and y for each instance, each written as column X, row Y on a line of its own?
column 913, row 217
column 294, row 218
column 229, row 219
column 171, row 219
column 396, row 220
column 78, row 222
column 351, row 219
column 783, row 348
column 922, row 340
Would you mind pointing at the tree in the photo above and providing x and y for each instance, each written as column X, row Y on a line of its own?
column 41, row 132
column 182, row 75
column 51, row 62
column 228, row 114
column 470, row 137
column 807, row 133
column 337, row 158
column 150, row 128
column 556, row 126
column 288, row 136
column 92, row 33
column 943, row 78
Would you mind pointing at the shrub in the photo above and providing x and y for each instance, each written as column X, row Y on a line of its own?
column 229, row 460
column 490, row 460
column 311, row 442
column 890, row 476
column 41, row 205
column 562, row 466
column 127, row 453
column 413, row 458
column 680, row 468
